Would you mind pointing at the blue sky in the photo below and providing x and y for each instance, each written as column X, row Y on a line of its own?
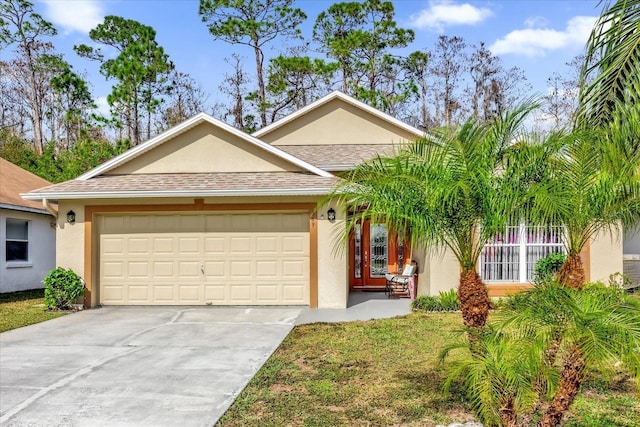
column 539, row 36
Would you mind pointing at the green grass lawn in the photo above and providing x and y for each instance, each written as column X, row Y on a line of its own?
column 24, row 308
column 384, row 372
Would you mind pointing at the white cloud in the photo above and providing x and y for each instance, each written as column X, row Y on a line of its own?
column 442, row 13
column 538, row 41
column 102, row 106
column 74, row 15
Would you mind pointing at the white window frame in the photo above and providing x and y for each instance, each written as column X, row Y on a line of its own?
column 17, row 263
column 525, row 269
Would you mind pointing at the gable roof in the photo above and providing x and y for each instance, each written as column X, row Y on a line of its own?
column 183, row 127
column 346, row 98
column 15, row 180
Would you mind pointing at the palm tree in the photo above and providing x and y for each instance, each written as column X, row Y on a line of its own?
column 590, row 183
column 509, row 382
column 612, row 68
column 444, row 191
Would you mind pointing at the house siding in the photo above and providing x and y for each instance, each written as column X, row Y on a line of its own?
column 42, row 237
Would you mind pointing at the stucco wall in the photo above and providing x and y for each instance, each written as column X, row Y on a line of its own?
column 337, row 122
column 19, row 276
column 205, row 148
column 333, row 289
column 70, row 238
column 605, row 256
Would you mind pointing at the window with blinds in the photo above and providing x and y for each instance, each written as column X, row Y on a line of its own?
column 511, row 255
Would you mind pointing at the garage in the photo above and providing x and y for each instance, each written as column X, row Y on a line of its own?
column 231, row 258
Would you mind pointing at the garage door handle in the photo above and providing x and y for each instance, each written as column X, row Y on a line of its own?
column 202, row 268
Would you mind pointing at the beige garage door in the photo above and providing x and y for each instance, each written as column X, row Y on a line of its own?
column 225, row 259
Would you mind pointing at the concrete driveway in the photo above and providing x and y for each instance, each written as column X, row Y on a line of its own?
column 135, row 366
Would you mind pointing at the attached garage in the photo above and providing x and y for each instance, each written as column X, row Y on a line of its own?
column 230, row 258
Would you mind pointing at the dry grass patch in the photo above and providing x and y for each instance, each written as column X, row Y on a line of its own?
column 379, row 373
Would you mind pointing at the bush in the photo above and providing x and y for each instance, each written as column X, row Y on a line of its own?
column 445, row 301
column 548, row 266
column 62, row 287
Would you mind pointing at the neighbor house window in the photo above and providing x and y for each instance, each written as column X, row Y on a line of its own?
column 17, row 241
column 511, row 256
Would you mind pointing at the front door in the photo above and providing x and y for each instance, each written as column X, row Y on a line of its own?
column 373, row 251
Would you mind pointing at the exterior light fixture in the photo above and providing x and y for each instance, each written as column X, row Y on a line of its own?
column 71, row 217
column 331, row 214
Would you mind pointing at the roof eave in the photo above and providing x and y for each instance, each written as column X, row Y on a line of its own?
column 24, row 209
column 76, row 195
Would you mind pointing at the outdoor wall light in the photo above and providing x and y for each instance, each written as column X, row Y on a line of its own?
column 71, row 217
column 331, row 214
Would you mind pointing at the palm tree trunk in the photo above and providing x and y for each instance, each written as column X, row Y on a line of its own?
column 570, row 382
column 571, row 273
column 474, row 299
column 508, row 414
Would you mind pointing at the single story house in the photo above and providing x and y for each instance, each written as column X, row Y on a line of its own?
column 27, row 230
column 207, row 214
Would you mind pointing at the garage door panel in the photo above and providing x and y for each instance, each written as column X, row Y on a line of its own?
column 241, row 245
column 215, row 245
column 293, row 293
column 295, row 245
column 267, row 293
column 112, row 245
column 189, row 245
column 163, row 270
column 112, row 294
column 215, row 269
column 188, row 270
column 240, row 293
column 163, row 245
column 138, row 294
column 235, row 259
column 164, row 293
column 189, row 293
column 215, row 294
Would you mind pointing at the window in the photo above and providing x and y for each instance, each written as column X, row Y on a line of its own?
column 512, row 255
column 17, row 241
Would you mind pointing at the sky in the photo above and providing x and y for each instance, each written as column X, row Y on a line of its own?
column 539, row 36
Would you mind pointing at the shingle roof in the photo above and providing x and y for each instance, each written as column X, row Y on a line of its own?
column 190, row 184
column 15, row 180
column 337, row 157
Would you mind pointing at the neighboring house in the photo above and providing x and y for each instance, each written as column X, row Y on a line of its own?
column 206, row 214
column 27, row 231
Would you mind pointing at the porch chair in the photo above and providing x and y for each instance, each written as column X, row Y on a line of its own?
column 398, row 284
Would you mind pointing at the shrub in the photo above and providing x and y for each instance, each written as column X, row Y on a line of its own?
column 62, row 287
column 445, row 301
column 548, row 266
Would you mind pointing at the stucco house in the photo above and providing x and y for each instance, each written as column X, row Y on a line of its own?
column 27, row 231
column 207, row 214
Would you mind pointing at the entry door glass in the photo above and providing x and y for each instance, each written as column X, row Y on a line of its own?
column 357, row 262
column 379, row 239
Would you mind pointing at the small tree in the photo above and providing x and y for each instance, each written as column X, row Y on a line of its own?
column 510, row 381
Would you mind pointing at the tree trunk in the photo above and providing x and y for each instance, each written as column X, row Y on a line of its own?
column 571, row 273
column 262, row 96
column 508, row 414
column 474, row 299
column 570, row 382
